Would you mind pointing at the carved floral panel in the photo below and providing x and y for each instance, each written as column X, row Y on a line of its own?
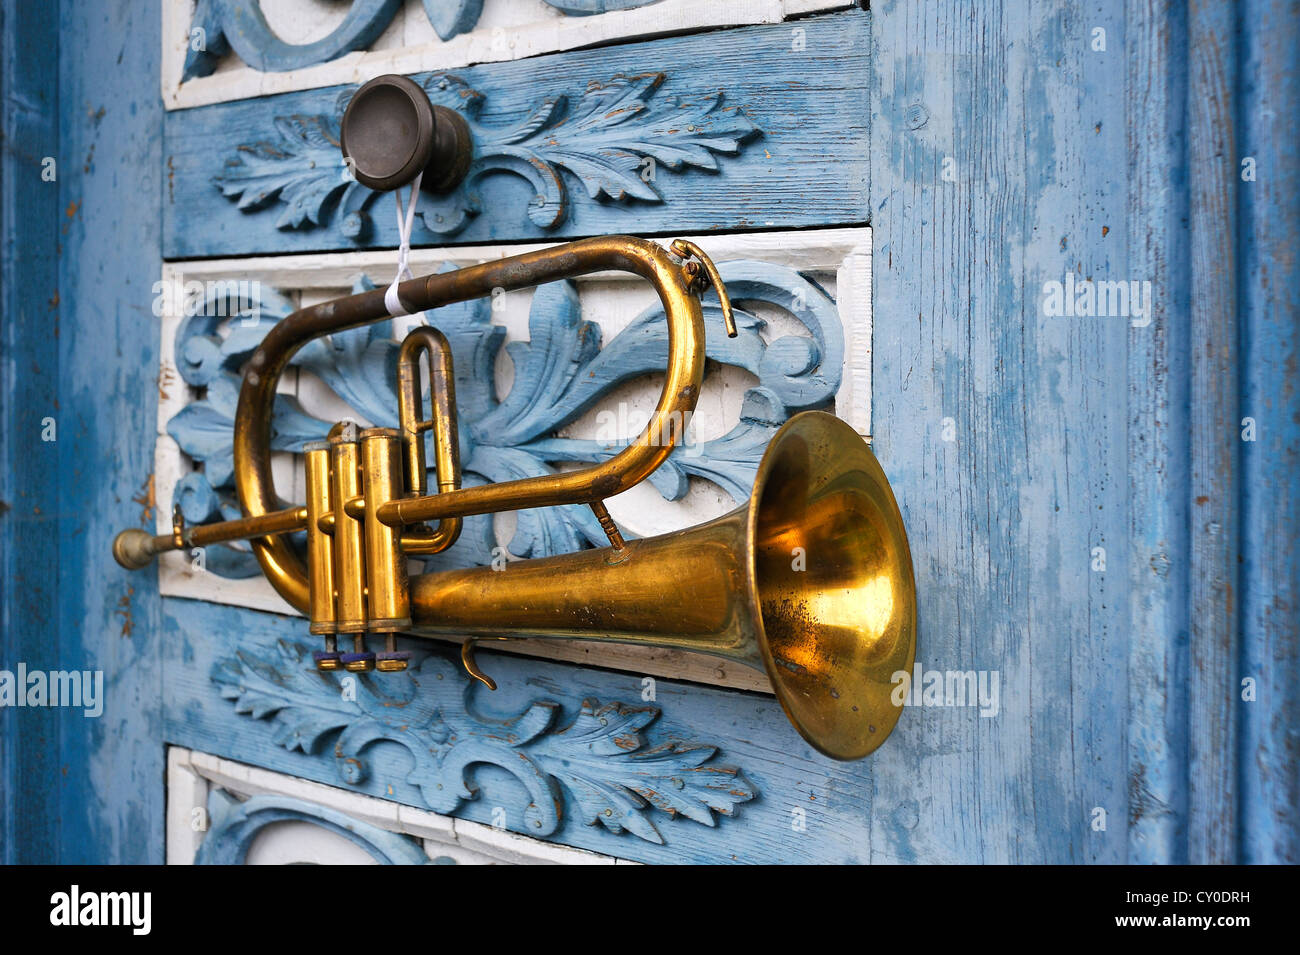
column 219, row 50
column 645, row 769
column 600, row 767
column 610, row 141
column 697, row 133
column 222, row 812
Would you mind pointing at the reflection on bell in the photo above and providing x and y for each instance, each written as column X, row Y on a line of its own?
column 810, row 581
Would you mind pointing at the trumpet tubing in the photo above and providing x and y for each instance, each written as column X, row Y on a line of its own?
column 679, row 591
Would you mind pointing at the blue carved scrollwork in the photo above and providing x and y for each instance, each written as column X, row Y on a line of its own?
column 234, row 825
column 559, row 374
column 598, row 769
column 585, row 8
column 613, row 142
column 220, row 26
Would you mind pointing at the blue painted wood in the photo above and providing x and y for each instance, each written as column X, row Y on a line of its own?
column 453, row 17
column 1003, row 430
column 30, row 213
column 1268, row 87
column 235, row 825
column 599, row 768
column 111, row 799
column 219, row 27
column 608, row 141
column 77, row 291
column 1215, row 637
column 1069, row 434
column 685, row 134
column 583, row 8
column 1158, row 426
column 557, row 759
column 560, row 373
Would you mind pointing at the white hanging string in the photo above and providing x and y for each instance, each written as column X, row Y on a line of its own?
column 405, row 222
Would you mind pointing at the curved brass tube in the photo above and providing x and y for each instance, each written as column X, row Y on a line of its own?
column 431, row 343
column 665, row 272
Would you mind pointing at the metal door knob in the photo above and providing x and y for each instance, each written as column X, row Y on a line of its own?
column 391, row 133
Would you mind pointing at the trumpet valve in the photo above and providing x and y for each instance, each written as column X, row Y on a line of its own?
column 392, row 660
column 358, row 662
column 327, row 660
column 348, row 543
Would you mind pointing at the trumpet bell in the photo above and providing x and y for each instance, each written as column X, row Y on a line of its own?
column 830, row 573
column 810, row 581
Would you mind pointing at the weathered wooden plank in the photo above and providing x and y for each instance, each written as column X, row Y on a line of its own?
column 1156, row 47
column 192, row 775
column 805, row 808
column 800, row 92
column 1047, row 460
column 998, row 164
column 108, row 794
column 1215, row 488
column 1269, row 210
column 29, row 378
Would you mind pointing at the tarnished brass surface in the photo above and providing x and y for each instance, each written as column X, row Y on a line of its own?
column 349, row 545
column 320, row 544
column 840, row 621
column 706, row 275
column 387, row 609
column 431, row 343
column 134, row 548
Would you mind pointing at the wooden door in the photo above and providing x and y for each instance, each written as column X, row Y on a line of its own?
column 965, row 233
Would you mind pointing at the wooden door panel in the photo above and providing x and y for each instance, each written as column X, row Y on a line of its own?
column 617, row 763
column 724, row 132
column 700, row 133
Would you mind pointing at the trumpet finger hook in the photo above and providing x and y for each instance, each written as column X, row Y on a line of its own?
column 471, row 665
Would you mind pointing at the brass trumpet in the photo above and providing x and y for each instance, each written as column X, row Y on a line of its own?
column 810, row 582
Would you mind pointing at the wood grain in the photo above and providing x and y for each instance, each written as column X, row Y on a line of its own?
column 30, row 214
column 1215, row 437
column 83, row 789
column 508, row 31
column 1003, row 518
column 1156, row 38
column 1269, row 297
column 1120, row 689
